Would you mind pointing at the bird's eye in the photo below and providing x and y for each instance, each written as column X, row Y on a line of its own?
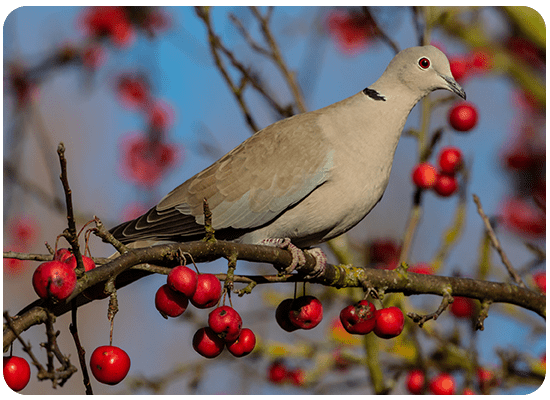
column 424, row 63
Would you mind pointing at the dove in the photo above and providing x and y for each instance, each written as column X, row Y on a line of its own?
column 305, row 179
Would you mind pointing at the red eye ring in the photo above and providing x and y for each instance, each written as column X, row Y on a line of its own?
column 424, row 63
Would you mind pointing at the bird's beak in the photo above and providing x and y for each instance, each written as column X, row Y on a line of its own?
column 453, row 86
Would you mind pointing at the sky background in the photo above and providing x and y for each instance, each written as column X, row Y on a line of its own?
column 92, row 122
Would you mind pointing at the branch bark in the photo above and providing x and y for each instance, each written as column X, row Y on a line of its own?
column 338, row 276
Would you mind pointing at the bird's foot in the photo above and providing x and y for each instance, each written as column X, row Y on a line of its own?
column 298, row 257
column 320, row 262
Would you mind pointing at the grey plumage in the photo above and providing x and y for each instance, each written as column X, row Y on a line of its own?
column 310, row 177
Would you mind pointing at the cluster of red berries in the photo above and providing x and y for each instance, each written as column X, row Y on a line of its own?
column 476, row 62
column 56, row 279
column 204, row 291
column 119, row 24
column 444, row 383
column 443, row 180
column 279, row 373
column 362, row 318
column 304, row 312
column 146, row 158
column 524, row 157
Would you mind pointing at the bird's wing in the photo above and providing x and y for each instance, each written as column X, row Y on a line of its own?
column 248, row 187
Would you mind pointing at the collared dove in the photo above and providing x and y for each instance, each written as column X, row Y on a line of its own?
column 305, row 179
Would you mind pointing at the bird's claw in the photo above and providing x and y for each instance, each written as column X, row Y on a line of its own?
column 298, row 257
column 320, row 262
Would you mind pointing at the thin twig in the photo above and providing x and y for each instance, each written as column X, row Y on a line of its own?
column 421, row 319
column 414, row 219
column 278, row 58
column 70, row 233
column 379, row 31
column 14, row 176
column 73, row 328
column 420, row 30
column 496, row 244
column 248, row 38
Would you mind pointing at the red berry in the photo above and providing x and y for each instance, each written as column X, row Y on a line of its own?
column 459, row 67
column 17, row 372
column 208, row 293
column 358, row 318
column 540, row 280
column 523, row 217
column 110, row 22
column 450, row 160
column 183, row 279
column 144, row 161
column 468, row 391
column 306, row 312
column 62, row 255
column 486, row 379
column 384, row 250
column 133, row 91
column 226, row 322
column 161, row 115
column 463, row 307
column 352, row 31
column 207, row 343
column 445, row 185
column 169, row 302
column 482, row 60
column 443, row 384
column 89, row 264
column 244, row 344
column 424, row 175
column 296, row 377
column 389, row 322
column 24, row 229
column 276, row 372
column 415, row 381
column 421, row 268
column 282, row 315
column 463, row 117
column 55, row 277
column 109, row 364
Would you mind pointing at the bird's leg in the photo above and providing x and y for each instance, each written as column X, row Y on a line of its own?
column 320, row 262
column 298, row 257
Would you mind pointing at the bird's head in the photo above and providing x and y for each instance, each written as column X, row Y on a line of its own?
column 423, row 69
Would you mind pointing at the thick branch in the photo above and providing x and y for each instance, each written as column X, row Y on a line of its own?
column 336, row 276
